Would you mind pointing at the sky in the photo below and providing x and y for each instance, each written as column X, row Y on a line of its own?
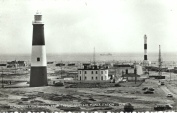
column 77, row 26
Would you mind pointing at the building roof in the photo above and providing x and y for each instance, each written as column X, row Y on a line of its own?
column 73, row 72
column 71, row 64
column 21, row 62
column 93, row 69
column 122, row 65
column 130, row 75
column 60, row 64
column 86, row 64
column 2, row 64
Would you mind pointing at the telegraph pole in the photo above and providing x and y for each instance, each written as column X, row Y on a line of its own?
column 135, row 72
column 2, row 78
column 61, row 68
column 170, row 75
column 94, row 57
column 160, row 62
column 15, row 67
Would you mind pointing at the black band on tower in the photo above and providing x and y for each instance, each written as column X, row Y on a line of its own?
column 38, row 34
column 145, row 46
column 145, row 57
column 39, row 77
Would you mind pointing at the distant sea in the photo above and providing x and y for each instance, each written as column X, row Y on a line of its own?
column 87, row 57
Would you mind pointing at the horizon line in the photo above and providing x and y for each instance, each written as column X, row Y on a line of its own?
column 86, row 53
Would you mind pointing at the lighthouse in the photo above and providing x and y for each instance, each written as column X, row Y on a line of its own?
column 146, row 62
column 38, row 74
column 145, row 48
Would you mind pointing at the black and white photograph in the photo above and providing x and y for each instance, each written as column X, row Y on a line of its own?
column 88, row 55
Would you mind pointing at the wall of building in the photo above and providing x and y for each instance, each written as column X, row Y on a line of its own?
column 139, row 70
column 93, row 75
column 119, row 70
column 130, row 70
column 132, row 78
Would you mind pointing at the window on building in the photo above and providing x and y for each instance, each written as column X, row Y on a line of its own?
column 85, row 78
column 105, row 72
column 80, row 72
column 92, row 72
column 105, row 77
column 96, row 72
column 92, row 78
column 85, row 72
column 101, row 77
column 38, row 59
column 96, row 78
column 80, row 77
column 101, row 72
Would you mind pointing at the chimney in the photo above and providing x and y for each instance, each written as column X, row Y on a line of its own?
column 126, row 71
column 85, row 66
column 95, row 66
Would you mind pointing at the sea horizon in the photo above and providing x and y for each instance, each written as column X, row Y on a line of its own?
column 99, row 56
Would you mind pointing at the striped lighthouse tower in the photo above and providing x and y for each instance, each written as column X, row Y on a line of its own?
column 146, row 62
column 145, row 48
column 38, row 75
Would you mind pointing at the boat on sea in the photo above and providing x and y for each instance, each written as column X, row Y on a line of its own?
column 106, row 54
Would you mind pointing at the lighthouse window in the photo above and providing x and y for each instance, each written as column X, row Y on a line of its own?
column 92, row 78
column 96, row 78
column 38, row 59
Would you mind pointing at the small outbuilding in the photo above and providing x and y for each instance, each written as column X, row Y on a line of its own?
column 131, row 76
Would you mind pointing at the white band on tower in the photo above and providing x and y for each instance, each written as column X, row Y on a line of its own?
column 145, row 39
column 39, row 56
column 145, row 52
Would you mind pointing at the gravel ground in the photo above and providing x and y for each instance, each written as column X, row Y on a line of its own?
column 51, row 98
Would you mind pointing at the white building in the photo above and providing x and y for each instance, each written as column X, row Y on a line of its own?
column 128, row 69
column 93, row 73
column 146, row 63
column 139, row 69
